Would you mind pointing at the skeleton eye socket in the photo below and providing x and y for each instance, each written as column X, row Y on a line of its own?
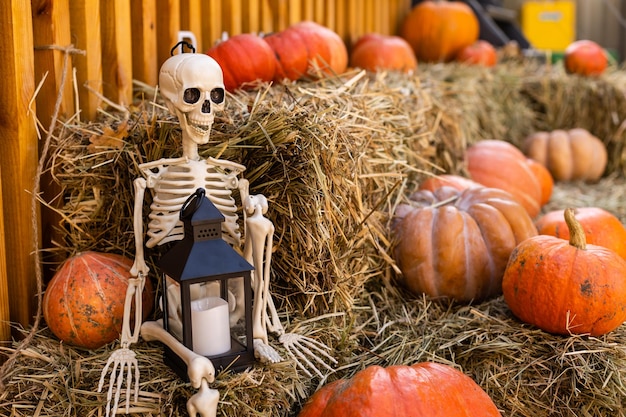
column 191, row 95
column 217, row 95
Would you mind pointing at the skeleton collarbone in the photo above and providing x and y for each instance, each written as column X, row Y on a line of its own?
column 173, row 180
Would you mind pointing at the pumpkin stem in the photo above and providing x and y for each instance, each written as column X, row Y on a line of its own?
column 577, row 236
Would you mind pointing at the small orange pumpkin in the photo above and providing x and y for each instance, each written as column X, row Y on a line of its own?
column 480, row 52
column 499, row 164
column 585, row 57
column 565, row 286
column 374, row 52
column 327, row 52
column 425, row 389
column 455, row 244
column 569, row 155
column 601, row 227
column 438, row 30
column 245, row 59
column 84, row 301
column 292, row 57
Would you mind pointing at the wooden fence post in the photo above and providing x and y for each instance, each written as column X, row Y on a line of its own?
column 19, row 156
column 5, row 317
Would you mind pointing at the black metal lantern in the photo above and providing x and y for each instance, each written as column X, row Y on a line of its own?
column 203, row 263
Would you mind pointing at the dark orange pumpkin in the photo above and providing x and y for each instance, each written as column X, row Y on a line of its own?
column 455, row 244
column 438, row 30
column 245, row 59
column 480, row 52
column 499, row 164
column 450, row 180
column 425, row 389
column 566, row 287
column 84, row 302
column 601, row 227
column 374, row 52
column 569, row 155
column 292, row 56
column 585, row 57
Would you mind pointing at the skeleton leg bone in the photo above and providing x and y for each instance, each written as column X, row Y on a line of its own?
column 199, row 369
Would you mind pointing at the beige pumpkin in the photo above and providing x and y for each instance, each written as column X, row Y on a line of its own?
column 569, row 155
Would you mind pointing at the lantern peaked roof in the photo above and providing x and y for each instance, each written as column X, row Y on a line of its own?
column 198, row 258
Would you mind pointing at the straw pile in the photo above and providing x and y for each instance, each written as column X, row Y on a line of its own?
column 334, row 157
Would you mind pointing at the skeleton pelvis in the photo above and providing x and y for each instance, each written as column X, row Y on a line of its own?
column 197, row 291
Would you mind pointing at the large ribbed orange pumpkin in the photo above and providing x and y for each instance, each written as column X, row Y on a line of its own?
column 337, row 61
column 84, row 302
column 438, row 30
column 601, row 227
column 245, row 59
column 292, row 56
column 455, row 244
column 425, row 389
column 565, row 286
column 499, row 164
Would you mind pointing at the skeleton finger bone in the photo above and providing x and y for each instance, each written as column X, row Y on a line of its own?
column 120, row 361
column 301, row 348
column 198, row 367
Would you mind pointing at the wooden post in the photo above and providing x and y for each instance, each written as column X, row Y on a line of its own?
column 117, row 74
column 85, row 21
column 5, row 329
column 19, row 157
column 191, row 18
column 168, row 26
column 144, row 43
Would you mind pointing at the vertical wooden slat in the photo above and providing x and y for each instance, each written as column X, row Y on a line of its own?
column 232, row 11
column 168, row 26
column 341, row 20
column 19, row 156
column 251, row 15
column 117, row 74
column 267, row 18
column 319, row 14
column 5, row 329
column 212, row 26
column 307, row 10
column 330, row 14
column 295, row 11
column 191, row 15
column 85, row 22
column 280, row 12
column 144, row 46
column 51, row 27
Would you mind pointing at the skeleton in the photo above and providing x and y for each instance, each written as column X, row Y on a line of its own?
column 192, row 87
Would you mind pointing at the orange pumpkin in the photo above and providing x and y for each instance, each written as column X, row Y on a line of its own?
column 327, row 52
column 456, row 181
column 455, row 244
column 499, row 164
column 438, row 30
column 84, row 302
column 545, row 179
column 292, row 57
column 480, row 52
column 565, row 286
column 245, row 59
column 601, row 227
column 425, row 389
column 585, row 57
column 375, row 52
column 569, row 155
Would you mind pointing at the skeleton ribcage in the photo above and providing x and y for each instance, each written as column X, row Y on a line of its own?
column 174, row 185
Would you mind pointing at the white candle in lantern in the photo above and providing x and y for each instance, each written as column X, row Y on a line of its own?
column 210, row 326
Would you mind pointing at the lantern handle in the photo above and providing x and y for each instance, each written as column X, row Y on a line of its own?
column 193, row 202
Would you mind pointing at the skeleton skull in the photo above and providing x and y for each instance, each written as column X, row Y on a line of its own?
column 193, row 88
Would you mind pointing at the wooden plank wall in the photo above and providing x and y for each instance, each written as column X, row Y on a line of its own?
column 115, row 42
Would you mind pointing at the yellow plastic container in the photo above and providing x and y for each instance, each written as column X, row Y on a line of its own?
column 549, row 25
